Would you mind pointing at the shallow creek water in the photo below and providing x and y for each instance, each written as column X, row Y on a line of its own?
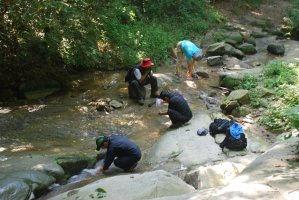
column 65, row 123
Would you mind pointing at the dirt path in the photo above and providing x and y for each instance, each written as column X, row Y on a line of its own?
column 270, row 11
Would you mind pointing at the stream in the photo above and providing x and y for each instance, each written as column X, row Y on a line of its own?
column 65, row 123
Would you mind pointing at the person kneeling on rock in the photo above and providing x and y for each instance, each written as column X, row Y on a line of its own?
column 178, row 111
column 124, row 153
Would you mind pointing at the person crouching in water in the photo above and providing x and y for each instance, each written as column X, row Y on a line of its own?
column 178, row 111
column 124, row 153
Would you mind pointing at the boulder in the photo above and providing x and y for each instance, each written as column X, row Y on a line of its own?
column 73, row 164
column 214, row 60
column 37, row 89
column 236, row 36
column 52, row 169
column 115, row 104
column 183, row 147
column 147, row 185
column 212, row 176
column 247, row 48
column 38, row 180
column 241, row 96
column 241, row 111
column 228, row 106
column 14, row 189
column 276, row 49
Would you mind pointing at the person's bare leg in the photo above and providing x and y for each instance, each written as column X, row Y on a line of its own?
column 180, row 57
column 191, row 69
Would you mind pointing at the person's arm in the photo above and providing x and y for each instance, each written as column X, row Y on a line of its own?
column 163, row 113
column 144, row 76
column 107, row 161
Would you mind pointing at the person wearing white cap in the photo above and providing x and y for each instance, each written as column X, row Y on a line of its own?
column 192, row 53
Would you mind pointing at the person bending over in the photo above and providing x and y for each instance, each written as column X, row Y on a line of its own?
column 192, row 54
column 178, row 111
column 124, row 153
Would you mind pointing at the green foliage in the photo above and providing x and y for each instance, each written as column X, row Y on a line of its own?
column 294, row 13
column 255, row 98
column 284, row 78
column 187, row 18
column 278, row 73
column 101, row 193
column 274, row 119
column 248, row 82
column 51, row 36
column 293, row 115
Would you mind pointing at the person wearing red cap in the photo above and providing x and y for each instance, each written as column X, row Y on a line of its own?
column 192, row 53
column 141, row 76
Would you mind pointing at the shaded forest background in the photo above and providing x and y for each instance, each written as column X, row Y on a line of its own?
column 45, row 41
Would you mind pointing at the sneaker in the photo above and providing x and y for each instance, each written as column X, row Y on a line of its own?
column 174, row 126
column 131, row 168
column 141, row 102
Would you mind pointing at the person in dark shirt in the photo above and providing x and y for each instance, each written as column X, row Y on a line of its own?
column 178, row 111
column 142, row 75
column 124, row 153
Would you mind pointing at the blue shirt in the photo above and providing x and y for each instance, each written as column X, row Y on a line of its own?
column 189, row 49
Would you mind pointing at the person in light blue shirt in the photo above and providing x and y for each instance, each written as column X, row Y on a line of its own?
column 192, row 54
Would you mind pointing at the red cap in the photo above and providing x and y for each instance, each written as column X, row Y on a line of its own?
column 146, row 63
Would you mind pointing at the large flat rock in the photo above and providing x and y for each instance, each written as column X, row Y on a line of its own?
column 131, row 187
column 184, row 146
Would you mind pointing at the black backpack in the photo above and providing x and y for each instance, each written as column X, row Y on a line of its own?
column 219, row 126
column 129, row 75
column 233, row 144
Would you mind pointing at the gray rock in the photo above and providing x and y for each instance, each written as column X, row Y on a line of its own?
column 241, row 96
column 73, row 164
column 228, row 106
column 277, row 49
column 147, row 185
column 185, row 144
column 214, row 60
column 14, row 189
column 115, row 104
column 247, row 48
column 51, row 169
column 40, row 181
column 241, row 111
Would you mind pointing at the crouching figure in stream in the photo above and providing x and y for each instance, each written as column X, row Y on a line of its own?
column 178, row 111
column 124, row 153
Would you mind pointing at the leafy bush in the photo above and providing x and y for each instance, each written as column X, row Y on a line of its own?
column 255, row 98
column 278, row 73
column 248, row 82
column 275, row 119
column 293, row 115
column 187, row 18
column 284, row 78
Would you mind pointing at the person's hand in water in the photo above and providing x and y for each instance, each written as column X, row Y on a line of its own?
column 100, row 170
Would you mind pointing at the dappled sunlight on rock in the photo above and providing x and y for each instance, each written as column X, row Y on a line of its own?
column 191, row 84
column 22, row 148
column 4, row 110
column 164, row 77
column 2, row 149
column 34, row 108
